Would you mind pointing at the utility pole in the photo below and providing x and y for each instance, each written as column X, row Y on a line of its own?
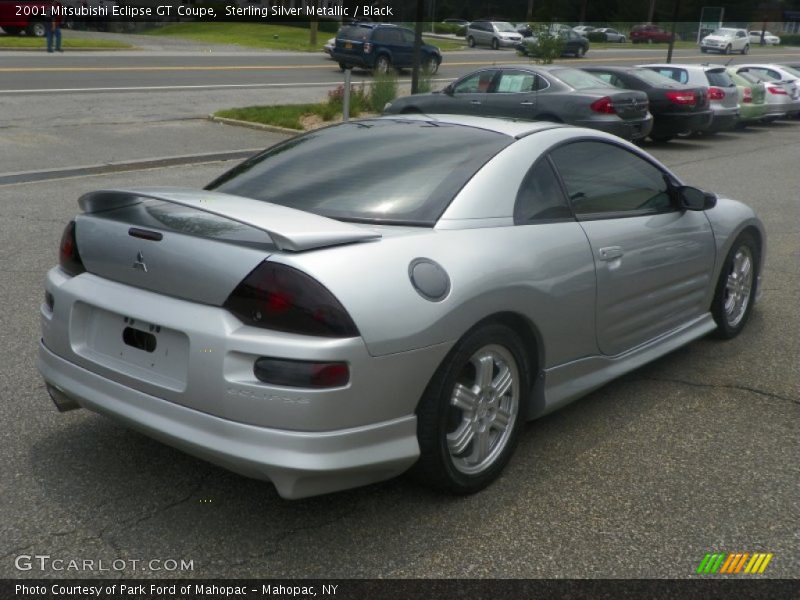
column 417, row 46
column 529, row 14
column 312, row 39
column 675, row 15
column 651, row 13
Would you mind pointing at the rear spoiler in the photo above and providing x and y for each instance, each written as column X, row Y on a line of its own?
column 289, row 228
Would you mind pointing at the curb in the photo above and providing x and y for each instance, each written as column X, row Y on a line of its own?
column 251, row 125
column 65, row 50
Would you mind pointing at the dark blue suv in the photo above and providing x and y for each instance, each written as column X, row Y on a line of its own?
column 379, row 46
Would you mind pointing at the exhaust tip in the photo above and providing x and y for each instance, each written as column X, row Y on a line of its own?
column 62, row 401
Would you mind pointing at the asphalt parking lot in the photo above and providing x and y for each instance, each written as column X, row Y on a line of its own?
column 694, row 453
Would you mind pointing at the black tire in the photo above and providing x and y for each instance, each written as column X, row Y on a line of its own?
column 342, row 67
column 382, row 64
column 495, row 44
column 430, row 66
column 661, row 139
column 438, row 414
column 622, row 40
column 730, row 309
column 727, row 50
column 581, row 52
column 746, row 50
column 471, row 41
column 36, row 29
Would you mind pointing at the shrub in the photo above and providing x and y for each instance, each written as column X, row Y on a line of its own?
column 384, row 89
column 359, row 101
column 453, row 28
column 544, row 48
column 424, row 84
column 596, row 36
column 789, row 39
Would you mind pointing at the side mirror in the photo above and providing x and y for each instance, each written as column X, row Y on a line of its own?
column 448, row 89
column 691, row 198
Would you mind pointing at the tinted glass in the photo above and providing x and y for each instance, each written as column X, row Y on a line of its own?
column 580, row 80
column 382, row 171
column 719, row 77
column 604, row 178
column 653, row 78
column 679, row 75
column 503, row 26
column 540, row 197
column 476, row 83
column 354, row 33
column 408, row 36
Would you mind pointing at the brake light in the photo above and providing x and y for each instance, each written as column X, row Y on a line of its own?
column 682, row 98
column 367, row 47
column 777, row 91
column 715, row 93
column 68, row 256
column 603, row 105
column 274, row 296
column 301, row 373
column 748, row 96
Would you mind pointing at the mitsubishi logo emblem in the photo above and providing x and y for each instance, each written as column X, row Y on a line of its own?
column 139, row 263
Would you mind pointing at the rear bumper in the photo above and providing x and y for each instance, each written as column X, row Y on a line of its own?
column 752, row 112
column 298, row 463
column 629, row 130
column 723, row 121
column 354, row 60
column 675, row 123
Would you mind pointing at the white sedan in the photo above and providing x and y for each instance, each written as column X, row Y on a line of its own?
column 769, row 38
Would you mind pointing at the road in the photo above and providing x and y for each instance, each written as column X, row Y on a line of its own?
column 694, row 453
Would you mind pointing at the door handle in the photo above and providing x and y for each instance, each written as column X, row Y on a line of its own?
column 474, row 101
column 527, row 103
column 611, row 253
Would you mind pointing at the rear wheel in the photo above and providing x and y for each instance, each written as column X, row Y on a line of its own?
column 581, row 52
column 495, row 44
column 733, row 299
column 471, row 42
column 382, row 64
column 342, row 67
column 468, row 420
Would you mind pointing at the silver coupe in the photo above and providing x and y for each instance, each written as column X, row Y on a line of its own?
column 385, row 295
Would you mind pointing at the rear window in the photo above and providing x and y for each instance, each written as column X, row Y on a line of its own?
column 719, row 78
column 389, row 171
column 654, row 78
column 580, row 80
column 355, row 33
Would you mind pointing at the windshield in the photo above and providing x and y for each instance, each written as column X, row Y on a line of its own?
column 379, row 171
column 502, row 26
column 724, row 32
column 580, row 80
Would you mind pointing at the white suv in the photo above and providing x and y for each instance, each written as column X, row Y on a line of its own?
column 726, row 40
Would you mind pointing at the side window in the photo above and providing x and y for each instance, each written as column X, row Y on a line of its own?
column 540, row 197
column 408, row 36
column 392, row 36
column 604, row 178
column 516, row 82
column 475, row 84
column 608, row 78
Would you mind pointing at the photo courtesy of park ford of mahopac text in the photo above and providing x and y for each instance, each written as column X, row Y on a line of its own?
column 399, row 299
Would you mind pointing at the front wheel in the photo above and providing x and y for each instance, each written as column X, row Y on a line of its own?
column 471, row 42
column 733, row 299
column 342, row 67
column 746, row 50
column 469, row 418
column 430, row 66
column 622, row 40
column 728, row 49
column 495, row 44
column 37, row 29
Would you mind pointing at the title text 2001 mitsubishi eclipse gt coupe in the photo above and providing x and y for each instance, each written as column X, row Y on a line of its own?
column 388, row 294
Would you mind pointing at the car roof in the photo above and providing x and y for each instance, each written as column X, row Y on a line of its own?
column 688, row 67
column 510, row 127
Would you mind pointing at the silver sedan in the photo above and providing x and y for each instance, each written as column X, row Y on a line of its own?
column 386, row 295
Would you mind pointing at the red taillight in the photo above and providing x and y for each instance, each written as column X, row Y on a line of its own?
column 777, row 91
column 367, row 47
column 301, row 373
column 68, row 256
column 682, row 98
column 278, row 297
column 715, row 93
column 603, row 105
column 747, row 96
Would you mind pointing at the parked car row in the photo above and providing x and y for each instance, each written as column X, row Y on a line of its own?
column 661, row 101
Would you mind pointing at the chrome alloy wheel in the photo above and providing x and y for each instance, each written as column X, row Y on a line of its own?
column 484, row 405
column 738, row 286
